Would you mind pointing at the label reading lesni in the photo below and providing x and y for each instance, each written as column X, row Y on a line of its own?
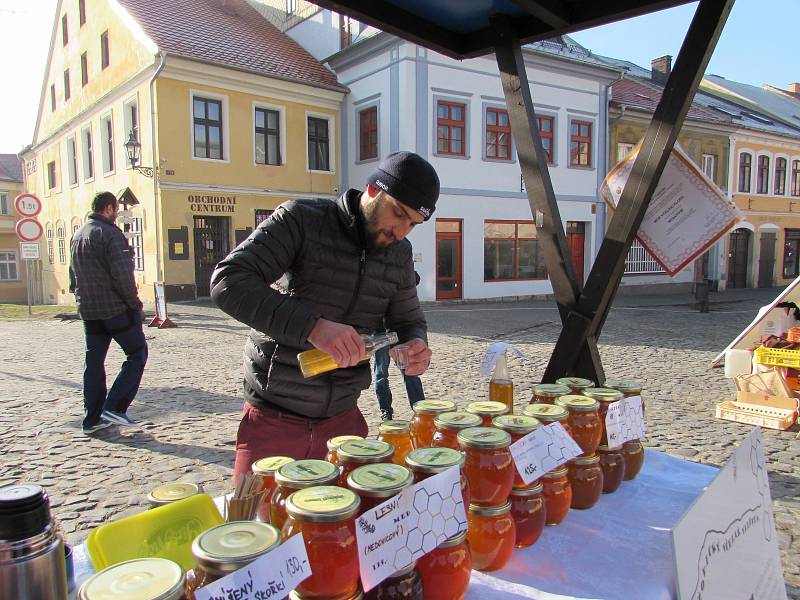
column 543, row 450
column 625, row 421
column 273, row 575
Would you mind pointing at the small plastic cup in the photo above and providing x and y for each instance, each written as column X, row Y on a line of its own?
column 400, row 356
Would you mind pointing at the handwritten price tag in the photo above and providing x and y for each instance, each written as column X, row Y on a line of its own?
column 273, row 575
column 543, row 450
column 625, row 421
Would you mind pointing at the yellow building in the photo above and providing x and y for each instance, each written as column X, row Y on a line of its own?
column 13, row 275
column 229, row 116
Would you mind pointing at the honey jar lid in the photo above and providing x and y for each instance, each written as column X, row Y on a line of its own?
column 323, row 504
column 456, row 420
column 455, row 540
column 151, row 578
column 578, row 403
column 433, row 460
column 171, row 492
column 395, row 426
column 546, row 412
column 551, row 389
column 516, row 423
column 623, row 385
column 337, row 441
column 602, row 394
column 231, row 546
column 528, row 491
column 381, row 480
column 304, row 473
column 366, row 451
column 489, row 511
column 575, row 382
column 270, row 464
column 592, row 459
column 433, row 407
column 604, row 448
column 555, row 473
column 487, row 438
column 487, row 407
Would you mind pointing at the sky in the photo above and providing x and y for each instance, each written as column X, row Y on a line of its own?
column 759, row 45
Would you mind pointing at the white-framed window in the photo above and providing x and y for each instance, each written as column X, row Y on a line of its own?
column 72, row 161
column 269, row 139
column 639, row 260
column 52, row 176
column 209, row 126
column 50, row 251
column 107, row 143
column 88, row 153
column 8, row 265
column 623, row 149
column 61, row 236
column 134, row 230
column 709, row 166
column 130, row 118
column 320, row 142
column 5, row 209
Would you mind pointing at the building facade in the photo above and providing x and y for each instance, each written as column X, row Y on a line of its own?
column 13, row 273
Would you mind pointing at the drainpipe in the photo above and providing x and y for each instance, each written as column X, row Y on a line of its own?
column 163, row 57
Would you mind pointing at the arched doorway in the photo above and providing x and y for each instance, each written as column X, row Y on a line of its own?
column 738, row 254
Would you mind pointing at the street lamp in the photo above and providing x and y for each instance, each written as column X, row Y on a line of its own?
column 133, row 149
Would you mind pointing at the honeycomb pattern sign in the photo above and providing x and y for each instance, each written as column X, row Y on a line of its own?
column 625, row 421
column 542, row 450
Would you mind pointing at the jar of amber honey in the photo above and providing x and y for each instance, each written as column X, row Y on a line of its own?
column 612, row 462
column 529, row 513
column 446, row 570
column 605, row 397
column 352, row 455
column 628, row 387
column 491, row 534
column 488, row 410
column 405, row 584
column 557, row 495
column 575, row 384
column 337, row 441
column 487, row 464
column 325, row 515
column 226, row 548
column 172, row 492
column 517, row 426
column 265, row 468
column 584, row 421
column 586, row 481
column 425, row 462
column 138, row 579
column 448, row 425
column 633, row 452
column 546, row 393
column 296, row 475
column 549, row 413
column 397, row 432
column 376, row 483
column 422, row 427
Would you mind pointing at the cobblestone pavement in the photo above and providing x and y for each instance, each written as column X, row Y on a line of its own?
column 189, row 403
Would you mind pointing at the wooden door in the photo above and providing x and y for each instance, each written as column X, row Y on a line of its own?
column 576, row 240
column 766, row 259
column 448, row 259
column 738, row 252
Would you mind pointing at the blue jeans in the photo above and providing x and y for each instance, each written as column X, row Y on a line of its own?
column 126, row 330
column 381, row 371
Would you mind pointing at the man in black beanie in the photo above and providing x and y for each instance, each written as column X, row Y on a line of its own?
column 348, row 269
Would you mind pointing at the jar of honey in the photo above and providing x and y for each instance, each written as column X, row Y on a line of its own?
column 265, row 468
column 549, row 413
column 546, row 393
column 557, row 495
column 449, row 424
column 491, row 534
column 628, row 387
column 584, row 421
column 605, row 397
column 138, row 579
column 529, row 513
column 296, row 475
column 376, row 483
column 422, row 427
column 226, row 548
column 405, row 584
column 337, row 441
column 397, row 432
column 325, row 515
column 172, row 492
column 517, row 426
column 351, row 455
column 488, row 410
column 633, row 452
column 575, row 384
column 446, row 570
column 586, row 481
column 612, row 462
column 487, row 464
column 359, row 595
column 425, row 462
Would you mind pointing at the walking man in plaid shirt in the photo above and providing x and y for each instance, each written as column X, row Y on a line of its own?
column 101, row 277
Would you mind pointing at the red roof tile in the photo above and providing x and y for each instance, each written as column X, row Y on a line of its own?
column 10, row 168
column 229, row 33
column 639, row 95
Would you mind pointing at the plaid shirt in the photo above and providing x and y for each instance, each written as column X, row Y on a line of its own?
column 101, row 270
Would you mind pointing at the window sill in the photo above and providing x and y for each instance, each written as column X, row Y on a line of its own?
column 514, row 280
column 457, row 156
column 581, row 167
column 211, row 160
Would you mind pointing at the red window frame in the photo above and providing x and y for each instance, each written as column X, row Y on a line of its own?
column 577, row 141
column 451, row 125
column 762, row 175
column 517, row 240
column 795, row 178
column 497, row 130
column 547, row 136
column 745, row 171
column 368, row 133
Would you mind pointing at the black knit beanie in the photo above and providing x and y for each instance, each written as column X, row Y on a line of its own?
column 409, row 178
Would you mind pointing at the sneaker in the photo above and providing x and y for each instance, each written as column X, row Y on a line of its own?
column 96, row 427
column 115, row 418
column 386, row 414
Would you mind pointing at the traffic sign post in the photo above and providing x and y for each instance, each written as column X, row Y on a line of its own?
column 29, row 231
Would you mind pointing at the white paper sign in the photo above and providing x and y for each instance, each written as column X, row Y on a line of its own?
column 161, row 302
column 273, row 575
column 542, row 450
column 394, row 534
column 726, row 545
column 625, row 421
column 493, row 353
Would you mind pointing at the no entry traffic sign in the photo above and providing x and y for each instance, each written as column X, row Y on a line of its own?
column 27, row 205
column 29, row 230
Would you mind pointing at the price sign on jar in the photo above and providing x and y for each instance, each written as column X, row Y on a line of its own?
column 625, row 421
column 543, row 450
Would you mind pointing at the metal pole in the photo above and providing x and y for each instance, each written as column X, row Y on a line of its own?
column 28, row 262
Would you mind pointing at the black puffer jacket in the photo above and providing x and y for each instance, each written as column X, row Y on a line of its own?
column 320, row 247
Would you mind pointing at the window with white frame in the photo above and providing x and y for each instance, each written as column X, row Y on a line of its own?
column 51, row 175
column 130, row 117
column 8, row 266
column 318, row 144
column 50, row 251
column 762, row 175
column 745, row 171
column 107, row 143
column 639, row 260
column 780, row 176
column 61, row 236
column 4, row 208
column 709, row 165
column 207, row 128
column 134, row 229
column 72, row 161
column 267, row 133
column 88, row 153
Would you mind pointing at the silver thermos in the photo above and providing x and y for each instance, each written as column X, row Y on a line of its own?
column 32, row 562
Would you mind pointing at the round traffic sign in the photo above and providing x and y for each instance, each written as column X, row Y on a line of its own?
column 29, row 230
column 28, row 205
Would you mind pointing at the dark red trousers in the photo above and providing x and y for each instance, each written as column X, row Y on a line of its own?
column 264, row 432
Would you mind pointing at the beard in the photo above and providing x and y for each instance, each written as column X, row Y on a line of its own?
column 376, row 238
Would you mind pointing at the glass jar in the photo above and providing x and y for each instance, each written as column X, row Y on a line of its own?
column 265, row 468
column 226, row 548
column 446, row 570
column 359, row 595
column 491, row 534
column 325, row 515
column 628, row 387
column 517, row 426
column 575, row 384
column 337, row 441
column 172, row 492
column 376, row 483
column 448, row 425
column 584, row 421
column 546, row 393
column 422, row 427
column 351, row 455
column 297, row 475
column 138, row 579
column 529, row 513
column 612, row 462
column 557, row 495
column 487, row 464
column 605, row 397
column 633, row 452
column 406, row 584
column 586, row 481
column 488, row 410
column 425, row 462
column 549, row 413
column 397, row 432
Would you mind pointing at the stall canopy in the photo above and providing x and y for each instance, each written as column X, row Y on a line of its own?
column 470, row 28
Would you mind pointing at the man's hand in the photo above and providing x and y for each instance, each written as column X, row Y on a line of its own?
column 419, row 357
column 342, row 342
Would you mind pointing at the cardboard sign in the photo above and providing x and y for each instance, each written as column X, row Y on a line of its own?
column 543, row 450
column 273, row 575
column 625, row 421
